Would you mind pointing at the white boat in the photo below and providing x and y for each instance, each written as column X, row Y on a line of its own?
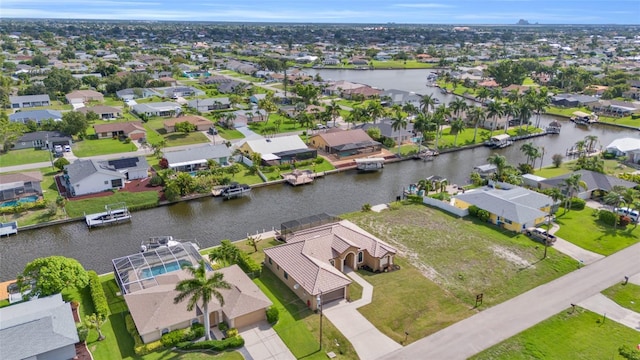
column 155, row 242
column 235, row 190
column 499, row 141
column 553, row 128
column 370, row 164
column 582, row 118
column 115, row 214
column 8, row 228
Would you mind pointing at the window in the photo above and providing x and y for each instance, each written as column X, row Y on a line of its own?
column 360, row 256
column 195, row 321
column 106, row 182
column 270, row 262
column 286, row 276
column 332, row 262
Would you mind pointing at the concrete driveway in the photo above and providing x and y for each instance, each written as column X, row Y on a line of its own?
column 586, row 257
column 263, row 343
column 602, row 305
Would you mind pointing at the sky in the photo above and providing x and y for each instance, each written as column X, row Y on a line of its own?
column 335, row 11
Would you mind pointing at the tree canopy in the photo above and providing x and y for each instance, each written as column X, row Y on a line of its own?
column 507, row 72
column 51, row 275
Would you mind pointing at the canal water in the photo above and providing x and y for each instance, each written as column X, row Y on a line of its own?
column 210, row 220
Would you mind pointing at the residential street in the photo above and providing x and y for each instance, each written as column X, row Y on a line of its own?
column 500, row 322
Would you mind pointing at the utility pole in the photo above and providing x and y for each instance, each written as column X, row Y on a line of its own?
column 319, row 303
column 49, row 150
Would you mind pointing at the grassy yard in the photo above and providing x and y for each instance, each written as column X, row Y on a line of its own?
column 24, row 156
column 567, row 112
column 86, row 148
column 582, row 228
column 401, row 64
column 627, row 296
column 178, row 139
column 286, row 124
column 229, row 134
column 577, row 335
column 94, row 205
column 498, row 263
column 611, row 167
column 298, row 326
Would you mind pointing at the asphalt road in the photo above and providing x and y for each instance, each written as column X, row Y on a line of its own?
column 485, row 329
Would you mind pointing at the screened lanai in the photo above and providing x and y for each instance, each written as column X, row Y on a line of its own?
column 138, row 271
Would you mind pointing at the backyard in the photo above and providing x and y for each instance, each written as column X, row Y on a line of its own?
column 567, row 112
column 134, row 200
column 611, row 167
column 85, row 148
column 24, row 156
column 578, row 334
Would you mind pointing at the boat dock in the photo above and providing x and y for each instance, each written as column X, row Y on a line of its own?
column 299, row 177
column 114, row 214
column 8, row 228
column 231, row 191
column 369, row 164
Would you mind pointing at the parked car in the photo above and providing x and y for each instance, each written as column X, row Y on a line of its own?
column 67, row 148
column 634, row 215
column 320, row 126
column 540, row 235
column 57, row 148
column 213, row 130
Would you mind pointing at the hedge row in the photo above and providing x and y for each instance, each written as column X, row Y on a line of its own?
column 139, row 347
column 216, row 345
column 97, row 295
column 175, row 337
column 20, row 207
column 248, row 265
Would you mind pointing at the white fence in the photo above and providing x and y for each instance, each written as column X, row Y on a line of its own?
column 445, row 206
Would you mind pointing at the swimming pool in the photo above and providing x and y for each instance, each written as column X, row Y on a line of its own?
column 159, row 270
column 26, row 199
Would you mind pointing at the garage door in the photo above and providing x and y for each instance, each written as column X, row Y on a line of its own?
column 333, row 295
column 249, row 319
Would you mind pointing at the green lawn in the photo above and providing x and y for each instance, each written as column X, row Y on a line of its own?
column 229, row 134
column 567, row 112
column 24, row 156
column 246, row 176
column 578, row 335
column 135, row 200
column 582, row 228
column 286, row 124
column 611, row 167
column 627, row 296
column 178, row 139
column 84, row 148
column 298, row 326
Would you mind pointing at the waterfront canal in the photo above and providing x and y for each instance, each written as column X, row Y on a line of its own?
column 210, row 220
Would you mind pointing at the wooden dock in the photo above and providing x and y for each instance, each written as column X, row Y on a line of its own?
column 299, row 177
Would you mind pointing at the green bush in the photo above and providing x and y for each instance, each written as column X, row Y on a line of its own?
column 61, row 163
column 248, row 265
column 156, row 181
column 415, row 199
column 284, row 166
column 273, row 315
column 577, row 204
column 223, row 326
column 97, row 294
column 83, row 332
column 153, row 346
column 172, row 338
column 366, row 207
column 319, row 160
column 607, row 217
column 196, row 332
column 483, row 215
column 138, row 346
column 233, row 332
column 216, row 345
column 473, row 210
column 608, row 155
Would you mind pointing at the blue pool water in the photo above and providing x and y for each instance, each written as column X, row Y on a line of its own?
column 159, row 270
column 26, row 199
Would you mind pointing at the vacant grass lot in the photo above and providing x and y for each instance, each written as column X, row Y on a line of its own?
column 466, row 257
column 178, row 139
column 578, row 335
column 627, row 296
column 229, row 134
column 86, row 148
column 139, row 200
column 611, row 167
column 582, row 228
column 286, row 124
column 24, row 156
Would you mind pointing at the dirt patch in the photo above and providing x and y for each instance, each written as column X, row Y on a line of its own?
column 511, row 257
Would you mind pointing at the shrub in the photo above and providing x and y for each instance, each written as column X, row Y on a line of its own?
column 233, row 332
column 577, row 204
column 216, row 345
column 483, row 215
column 395, row 205
column 366, row 207
column 223, row 326
column 473, row 210
column 415, row 199
column 127, row 140
column 608, row 155
column 172, row 338
column 196, row 331
column 248, row 265
column 607, row 217
column 624, row 221
column 284, row 166
column 156, row 180
column 273, row 315
column 61, row 163
column 557, row 160
column 83, row 332
column 163, row 163
column 97, row 295
column 319, row 160
column 153, row 346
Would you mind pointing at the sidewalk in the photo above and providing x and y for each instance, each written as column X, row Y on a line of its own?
column 602, row 305
column 368, row 341
column 586, row 257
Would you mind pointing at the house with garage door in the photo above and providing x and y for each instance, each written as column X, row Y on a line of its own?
column 148, row 282
column 312, row 261
column 132, row 129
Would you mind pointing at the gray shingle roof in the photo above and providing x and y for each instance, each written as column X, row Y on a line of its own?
column 81, row 169
column 36, row 115
column 36, row 327
column 593, row 180
column 205, row 152
column 28, row 98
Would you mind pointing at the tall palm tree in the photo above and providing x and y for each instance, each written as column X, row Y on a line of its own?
column 615, row 197
column 201, row 288
column 494, row 110
column 440, row 114
column 458, row 106
column 528, row 149
column 495, row 94
column 591, row 141
column 500, row 162
column 427, row 102
column 482, row 94
column 524, row 111
column 457, row 126
column 571, row 185
column 555, row 194
column 334, row 109
column 375, row 110
column 477, row 114
column 399, row 122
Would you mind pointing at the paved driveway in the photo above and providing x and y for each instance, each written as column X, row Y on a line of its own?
column 263, row 343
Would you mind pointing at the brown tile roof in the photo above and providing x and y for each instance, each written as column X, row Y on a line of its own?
column 126, row 127
column 344, row 137
column 153, row 307
column 83, row 94
column 192, row 119
column 100, row 109
column 23, row 176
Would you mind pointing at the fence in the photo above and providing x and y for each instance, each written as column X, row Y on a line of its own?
column 445, row 206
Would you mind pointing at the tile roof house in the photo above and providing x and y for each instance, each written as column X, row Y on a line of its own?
column 29, row 101
column 13, row 186
column 201, row 123
column 629, row 147
column 36, row 115
column 91, row 176
column 38, row 329
column 41, row 140
column 595, row 181
column 346, row 143
column 195, row 158
column 400, row 136
column 83, row 96
column 513, row 208
column 244, row 305
column 104, row 112
column 312, row 261
column 279, row 150
column 131, row 129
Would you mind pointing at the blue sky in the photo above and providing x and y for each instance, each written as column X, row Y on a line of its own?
column 334, row 11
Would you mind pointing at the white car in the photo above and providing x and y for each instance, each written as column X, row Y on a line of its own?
column 67, row 148
column 634, row 215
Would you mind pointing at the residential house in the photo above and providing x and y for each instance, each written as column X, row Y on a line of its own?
column 163, row 109
column 84, row 177
column 132, row 94
column 337, row 87
column 104, row 112
column 572, row 100
column 346, row 143
column 255, row 98
column 596, row 183
column 20, row 184
column 41, row 140
column 279, row 150
column 244, row 303
column 41, row 328
column 201, row 123
column 312, row 261
column 244, row 117
column 400, row 97
column 511, row 207
column 36, row 116
column 84, row 96
column 615, row 107
column 196, row 158
column 210, row 104
column 400, row 136
column 132, row 168
column 629, row 147
column 131, row 129
column 182, row 91
column 366, row 92
column 29, row 101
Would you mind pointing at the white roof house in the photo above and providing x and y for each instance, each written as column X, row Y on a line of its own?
column 626, row 147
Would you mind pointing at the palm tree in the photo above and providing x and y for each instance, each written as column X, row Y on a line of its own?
column 591, row 141
column 201, row 288
column 531, row 151
column 477, row 115
column 494, row 110
column 571, row 185
column 495, row 94
column 334, row 109
column 399, row 122
column 482, row 94
column 375, row 110
column 500, row 162
column 524, row 111
column 427, row 102
column 440, row 114
column 555, row 194
column 458, row 106
column 457, row 126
